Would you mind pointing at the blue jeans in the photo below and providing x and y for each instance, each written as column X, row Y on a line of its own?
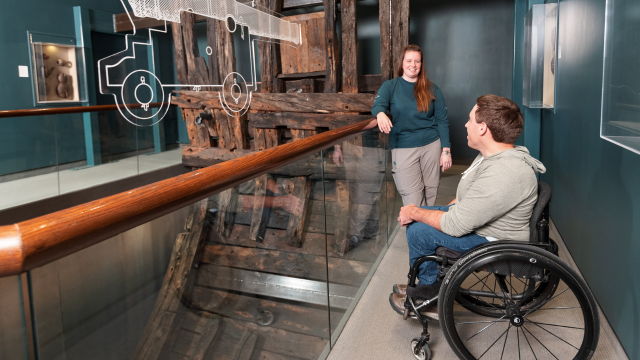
column 423, row 240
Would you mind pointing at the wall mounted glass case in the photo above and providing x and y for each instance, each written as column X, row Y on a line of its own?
column 620, row 120
column 541, row 25
column 58, row 71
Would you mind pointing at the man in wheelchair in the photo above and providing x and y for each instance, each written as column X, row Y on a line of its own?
column 486, row 259
column 494, row 200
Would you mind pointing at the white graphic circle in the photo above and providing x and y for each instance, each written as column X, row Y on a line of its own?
column 233, row 88
column 209, row 50
column 150, row 76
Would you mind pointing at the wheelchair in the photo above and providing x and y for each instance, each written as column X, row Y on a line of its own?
column 509, row 299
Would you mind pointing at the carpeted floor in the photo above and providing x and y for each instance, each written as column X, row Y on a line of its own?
column 375, row 331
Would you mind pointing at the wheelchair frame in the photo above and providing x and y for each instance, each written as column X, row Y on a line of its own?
column 539, row 239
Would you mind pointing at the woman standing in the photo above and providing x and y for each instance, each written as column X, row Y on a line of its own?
column 419, row 131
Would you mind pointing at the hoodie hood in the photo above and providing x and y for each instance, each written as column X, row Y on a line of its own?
column 522, row 153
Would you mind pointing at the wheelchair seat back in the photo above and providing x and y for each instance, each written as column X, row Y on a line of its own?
column 539, row 219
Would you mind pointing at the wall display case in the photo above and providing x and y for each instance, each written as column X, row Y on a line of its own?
column 540, row 49
column 58, row 72
column 620, row 118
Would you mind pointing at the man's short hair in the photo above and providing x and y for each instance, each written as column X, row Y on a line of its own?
column 502, row 116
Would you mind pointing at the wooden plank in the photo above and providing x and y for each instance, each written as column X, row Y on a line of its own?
column 270, row 58
column 399, row 30
column 349, row 47
column 342, row 216
column 260, row 215
column 226, row 138
column 309, row 103
column 226, row 51
column 238, row 124
column 304, row 75
column 246, row 346
column 302, row 86
column 369, row 83
column 386, row 63
column 212, row 42
column 299, row 319
column 188, row 24
column 271, row 137
column 227, row 205
column 178, row 46
column 303, row 121
column 301, row 191
column 316, row 47
column 186, row 250
column 331, row 40
column 260, row 143
column 206, row 338
column 303, row 53
column 343, row 271
column 198, row 135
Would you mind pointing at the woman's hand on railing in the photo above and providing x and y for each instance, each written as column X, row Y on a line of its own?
column 384, row 123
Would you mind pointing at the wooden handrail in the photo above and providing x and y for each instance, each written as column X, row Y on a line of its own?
column 36, row 242
column 69, row 110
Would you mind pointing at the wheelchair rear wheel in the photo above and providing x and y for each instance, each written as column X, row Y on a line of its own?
column 519, row 317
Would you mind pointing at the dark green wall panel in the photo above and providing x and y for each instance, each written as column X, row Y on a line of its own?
column 596, row 199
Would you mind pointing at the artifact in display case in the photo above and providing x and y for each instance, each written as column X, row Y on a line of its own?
column 620, row 118
column 56, row 74
column 540, row 56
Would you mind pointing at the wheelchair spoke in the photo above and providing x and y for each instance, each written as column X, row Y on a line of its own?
column 530, row 347
column 484, row 284
column 561, row 308
column 479, row 322
column 527, row 330
column 485, row 328
column 505, row 342
column 544, row 303
column 518, row 337
column 553, row 335
column 562, row 326
column 479, row 280
column 490, row 346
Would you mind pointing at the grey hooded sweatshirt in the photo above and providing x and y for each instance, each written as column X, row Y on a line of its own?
column 495, row 197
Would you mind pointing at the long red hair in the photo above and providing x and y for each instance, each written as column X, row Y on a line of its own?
column 422, row 89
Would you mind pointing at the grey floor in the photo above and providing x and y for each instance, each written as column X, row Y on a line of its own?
column 34, row 188
column 375, row 331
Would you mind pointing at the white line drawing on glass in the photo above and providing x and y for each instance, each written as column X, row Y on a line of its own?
column 258, row 24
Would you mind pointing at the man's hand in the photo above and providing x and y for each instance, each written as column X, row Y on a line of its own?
column 445, row 159
column 412, row 213
column 404, row 218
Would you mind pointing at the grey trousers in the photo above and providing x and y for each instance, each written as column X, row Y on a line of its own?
column 416, row 172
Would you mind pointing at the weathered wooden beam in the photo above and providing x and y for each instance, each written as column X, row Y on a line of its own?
column 269, row 52
column 226, row 51
column 198, row 134
column 186, row 250
column 309, row 103
column 301, row 121
column 386, row 63
column 342, row 217
column 349, row 47
column 399, row 30
column 331, row 40
column 302, row 75
column 212, row 42
column 227, row 205
column 178, row 46
column 369, row 83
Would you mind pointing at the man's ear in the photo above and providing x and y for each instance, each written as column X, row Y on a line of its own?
column 483, row 129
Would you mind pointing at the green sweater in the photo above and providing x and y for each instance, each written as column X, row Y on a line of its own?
column 412, row 128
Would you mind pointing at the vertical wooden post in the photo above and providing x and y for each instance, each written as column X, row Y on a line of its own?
column 342, row 217
column 349, row 47
column 178, row 45
column 212, row 42
column 270, row 62
column 386, row 63
column 226, row 51
column 399, row 30
column 333, row 52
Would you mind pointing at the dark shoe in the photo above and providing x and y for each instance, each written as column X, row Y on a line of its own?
column 397, row 304
column 400, row 289
column 426, row 292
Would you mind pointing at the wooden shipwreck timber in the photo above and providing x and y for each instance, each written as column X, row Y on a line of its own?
column 261, row 265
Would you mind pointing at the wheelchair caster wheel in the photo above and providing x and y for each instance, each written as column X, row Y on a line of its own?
column 423, row 353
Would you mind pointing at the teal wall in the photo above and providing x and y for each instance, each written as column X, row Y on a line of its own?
column 30, row 142
column 596, row 197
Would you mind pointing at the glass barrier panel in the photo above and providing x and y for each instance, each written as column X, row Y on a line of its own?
column 620, row 121
column 28, row 159
column 13, row 326
column 355, row 204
